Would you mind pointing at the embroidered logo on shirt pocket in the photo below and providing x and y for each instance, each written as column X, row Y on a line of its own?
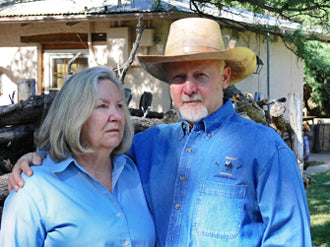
column 228, row 168
column 219, row 209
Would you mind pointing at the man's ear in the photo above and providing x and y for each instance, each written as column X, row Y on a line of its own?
column 226, row 73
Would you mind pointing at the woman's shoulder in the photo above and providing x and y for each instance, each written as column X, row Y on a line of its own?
column 44, row 173
column 40, row 174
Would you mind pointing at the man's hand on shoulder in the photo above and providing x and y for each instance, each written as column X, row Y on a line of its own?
column 22, row 165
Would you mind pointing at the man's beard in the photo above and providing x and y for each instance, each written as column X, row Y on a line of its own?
column 193, row 114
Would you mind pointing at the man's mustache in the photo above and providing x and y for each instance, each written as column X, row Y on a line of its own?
column 194, row 97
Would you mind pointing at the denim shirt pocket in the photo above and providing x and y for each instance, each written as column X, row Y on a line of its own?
column 219, row 209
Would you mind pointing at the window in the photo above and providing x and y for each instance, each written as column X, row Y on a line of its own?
column 57, row 66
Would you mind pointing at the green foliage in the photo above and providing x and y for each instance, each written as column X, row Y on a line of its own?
column 312, row 13
column 156, row 6
column 317, row 73
column 315, row 55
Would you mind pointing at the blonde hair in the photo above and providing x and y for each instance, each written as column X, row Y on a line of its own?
column 72, row 106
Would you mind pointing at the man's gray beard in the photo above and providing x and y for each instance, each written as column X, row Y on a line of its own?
column 193, row 114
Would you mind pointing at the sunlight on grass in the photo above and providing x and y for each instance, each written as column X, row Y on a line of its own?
column 315, row 163
column 318, row 197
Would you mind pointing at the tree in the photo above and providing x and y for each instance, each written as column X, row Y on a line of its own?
column 317, row 78
column 305, row 42
column 312, row 13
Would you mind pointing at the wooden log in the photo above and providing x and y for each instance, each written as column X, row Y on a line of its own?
column 7, row 135
column 3, row 187
column 141, row 124
column 15, row 149
column 280, row 123
column 26, row 88
column 5, row 166
column 31, row 110
column 16, row 141
column 3, row 191
column 233, row 92
column 252, row 109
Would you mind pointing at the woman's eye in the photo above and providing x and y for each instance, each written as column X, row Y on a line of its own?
column 101, row 106
column 119, row 106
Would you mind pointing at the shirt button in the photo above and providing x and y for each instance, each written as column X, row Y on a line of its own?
column 177, row 206
column 118, row 214
column 126, row 242
column 182, row 177
column 209, row 135
column 189, row 150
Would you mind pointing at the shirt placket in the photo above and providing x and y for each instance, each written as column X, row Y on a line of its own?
column 181, row 189
column 123, row 229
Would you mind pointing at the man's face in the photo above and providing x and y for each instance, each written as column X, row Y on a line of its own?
column 196, row 87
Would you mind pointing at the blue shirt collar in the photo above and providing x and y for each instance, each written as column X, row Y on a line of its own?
column 59, row 166
column 214, row 121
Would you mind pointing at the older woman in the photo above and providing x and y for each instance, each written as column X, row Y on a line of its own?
column 86, row 193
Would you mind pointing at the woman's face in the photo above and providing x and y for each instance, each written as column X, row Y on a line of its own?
column 103, row 130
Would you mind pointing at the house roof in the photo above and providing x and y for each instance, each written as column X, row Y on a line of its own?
column 29, row 10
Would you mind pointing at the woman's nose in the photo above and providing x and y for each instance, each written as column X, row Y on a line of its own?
column 115, row 114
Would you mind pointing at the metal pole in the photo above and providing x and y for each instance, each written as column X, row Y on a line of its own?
column 268, row 69
column 268, row 63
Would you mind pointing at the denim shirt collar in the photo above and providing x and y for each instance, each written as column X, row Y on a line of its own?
column 213, row 121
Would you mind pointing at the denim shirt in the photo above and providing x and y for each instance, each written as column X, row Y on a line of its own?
column 62, row 205
column 227, row 182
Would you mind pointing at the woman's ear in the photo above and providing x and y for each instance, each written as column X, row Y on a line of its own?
column 226, row 73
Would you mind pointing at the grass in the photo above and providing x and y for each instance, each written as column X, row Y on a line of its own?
column 318, row 197
column 315, row 163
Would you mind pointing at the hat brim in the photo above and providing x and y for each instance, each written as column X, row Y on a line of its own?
column 241, row 60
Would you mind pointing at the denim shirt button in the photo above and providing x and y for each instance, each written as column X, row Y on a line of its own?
column 209, row 135
column 189, row 150
column 177, row 206
column 182, row 177
column 126, row 242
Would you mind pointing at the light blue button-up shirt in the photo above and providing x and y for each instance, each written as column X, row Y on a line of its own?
column 62, row 205
column 228, row 182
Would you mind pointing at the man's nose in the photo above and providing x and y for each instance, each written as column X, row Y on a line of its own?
column 189, row 87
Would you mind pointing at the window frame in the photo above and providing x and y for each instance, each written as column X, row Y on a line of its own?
column 49, row 55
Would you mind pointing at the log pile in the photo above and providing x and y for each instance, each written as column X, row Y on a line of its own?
column 18, row 123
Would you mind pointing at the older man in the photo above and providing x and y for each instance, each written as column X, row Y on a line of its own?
column 216, row 179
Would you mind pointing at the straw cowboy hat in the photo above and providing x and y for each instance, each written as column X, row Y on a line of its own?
column 199, row 39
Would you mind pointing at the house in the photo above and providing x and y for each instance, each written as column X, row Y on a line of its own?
column 39, row 38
